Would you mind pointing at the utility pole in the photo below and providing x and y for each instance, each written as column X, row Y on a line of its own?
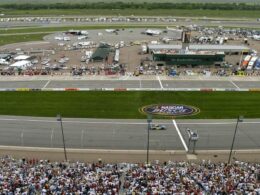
column 239, row 119
column 149, row 120
column 63, row 139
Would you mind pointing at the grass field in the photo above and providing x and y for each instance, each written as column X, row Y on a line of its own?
column 8, row 39
column 136, row 1
column 139, row 12
column 98, row 104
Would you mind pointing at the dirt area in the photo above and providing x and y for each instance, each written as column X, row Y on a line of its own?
column 130, row 56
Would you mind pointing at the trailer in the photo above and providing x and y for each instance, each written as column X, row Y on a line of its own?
column 257, row 64
column 251, row 63
column 245, row 62
column 116, row 58
column 144, row 49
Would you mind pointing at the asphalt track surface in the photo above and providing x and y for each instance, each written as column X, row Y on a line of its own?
column 127, row 134
column 141, row 84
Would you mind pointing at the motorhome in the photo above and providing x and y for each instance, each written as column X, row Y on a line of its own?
column 152, row 32
column 82, row 37
column 257, row 64
column 256, row 37
column 3, row 62
column 110, row 30
column 58, row 38
column 66, row 38
column 245, row 62
column 251, row 63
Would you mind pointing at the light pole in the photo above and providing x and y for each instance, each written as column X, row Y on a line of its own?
column 149, row 120
column 239, row 119
column 61, row 126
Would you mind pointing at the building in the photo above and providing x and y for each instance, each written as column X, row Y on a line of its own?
column 193, row 58
column 227, row 49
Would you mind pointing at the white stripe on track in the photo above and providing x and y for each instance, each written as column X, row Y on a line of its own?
column 160, row 82
column 46, row 84
column 180, row 135
column 234, row 84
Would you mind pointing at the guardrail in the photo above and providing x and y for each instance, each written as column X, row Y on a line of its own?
column 131, row 89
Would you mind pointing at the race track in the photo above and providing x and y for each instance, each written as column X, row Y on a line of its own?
column 126, row 134
column 130, row 84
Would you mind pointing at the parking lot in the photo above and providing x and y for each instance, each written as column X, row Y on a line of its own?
column 57, row 57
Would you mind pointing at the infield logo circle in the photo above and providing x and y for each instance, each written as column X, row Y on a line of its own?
column 170, row 110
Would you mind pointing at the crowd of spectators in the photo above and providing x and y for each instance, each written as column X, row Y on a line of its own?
column 31, row 176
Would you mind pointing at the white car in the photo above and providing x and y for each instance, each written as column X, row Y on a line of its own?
column 158, row 127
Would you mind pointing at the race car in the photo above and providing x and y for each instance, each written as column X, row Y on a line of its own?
column 157, row 127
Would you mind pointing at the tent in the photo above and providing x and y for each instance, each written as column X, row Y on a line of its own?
column 21, row 57
column 21, row 64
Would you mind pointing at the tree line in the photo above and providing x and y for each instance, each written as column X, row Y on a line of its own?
column 131, row 5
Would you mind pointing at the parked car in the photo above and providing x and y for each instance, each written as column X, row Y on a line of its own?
column 158, row 127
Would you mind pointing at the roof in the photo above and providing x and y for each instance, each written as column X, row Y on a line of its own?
column 100, row 53
column 21, row 63
column 4, row 55
column 22, row 57
column 161, row 46
column 104, row 45
column 189, row 52
column 219, row 47
column 200, row 47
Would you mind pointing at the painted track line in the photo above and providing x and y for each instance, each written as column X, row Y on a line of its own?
column 46, row 84
column 140, row 83
column 180, row 135
column 160, row 82
column 234, row 84
column 126, row 77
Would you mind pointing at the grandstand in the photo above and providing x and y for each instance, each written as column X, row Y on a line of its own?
column 32, row 176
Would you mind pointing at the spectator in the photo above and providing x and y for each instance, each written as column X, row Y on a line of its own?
column 43, row 177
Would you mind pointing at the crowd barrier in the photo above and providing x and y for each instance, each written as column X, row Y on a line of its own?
column 130, row 89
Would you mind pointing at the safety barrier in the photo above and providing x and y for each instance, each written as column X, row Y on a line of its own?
column 129, row 89
column 254, row 89
column 206, row 90
column 120, row 89
column 71, row 89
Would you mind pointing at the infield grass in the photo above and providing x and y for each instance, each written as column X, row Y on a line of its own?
column 8, row 39
column 135, row 1
column 105, row 104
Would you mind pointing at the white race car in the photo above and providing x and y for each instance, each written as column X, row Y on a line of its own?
column 157, row 127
